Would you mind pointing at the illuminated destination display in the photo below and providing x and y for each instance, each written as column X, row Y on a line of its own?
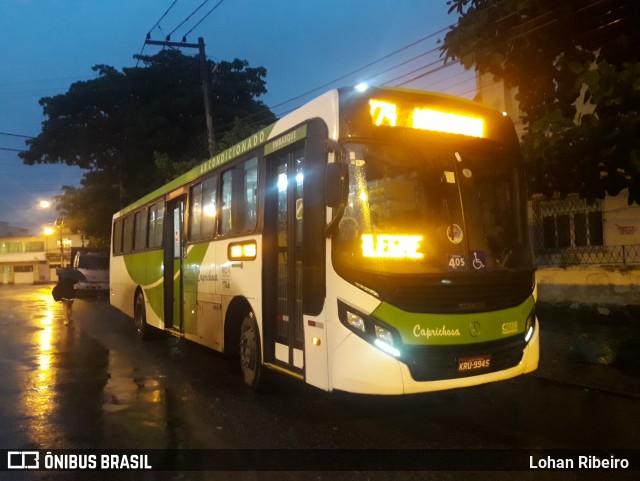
column 392, row 246
column 394, row 115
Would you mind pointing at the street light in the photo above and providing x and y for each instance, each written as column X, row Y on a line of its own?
column 57, row 226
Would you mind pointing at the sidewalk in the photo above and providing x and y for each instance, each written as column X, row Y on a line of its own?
column 593, row 348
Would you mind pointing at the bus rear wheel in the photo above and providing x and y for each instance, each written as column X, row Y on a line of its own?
column 140, row 318
column 250, row 353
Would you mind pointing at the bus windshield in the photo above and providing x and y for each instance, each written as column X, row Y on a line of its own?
column 415, row 211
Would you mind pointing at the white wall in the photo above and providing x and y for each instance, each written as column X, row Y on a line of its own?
column 589, row 285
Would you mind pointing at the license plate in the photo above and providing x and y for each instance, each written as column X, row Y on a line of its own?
column 467, row 364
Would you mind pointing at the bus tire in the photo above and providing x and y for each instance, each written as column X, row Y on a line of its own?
column 250, row 354
column 143, row 331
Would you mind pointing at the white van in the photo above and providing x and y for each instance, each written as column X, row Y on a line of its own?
column 94, row 265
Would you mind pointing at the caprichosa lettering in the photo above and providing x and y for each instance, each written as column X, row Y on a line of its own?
column 427, row 332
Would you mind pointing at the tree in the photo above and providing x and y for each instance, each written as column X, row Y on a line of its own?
column 576, row 68
column 136, row 129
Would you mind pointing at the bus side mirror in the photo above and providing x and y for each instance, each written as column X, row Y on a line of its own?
column 336, row 183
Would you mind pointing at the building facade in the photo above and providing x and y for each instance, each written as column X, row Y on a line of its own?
column 586, row 253
column 34, row 259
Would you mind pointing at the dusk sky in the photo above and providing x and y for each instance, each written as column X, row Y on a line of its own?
column 307, row 47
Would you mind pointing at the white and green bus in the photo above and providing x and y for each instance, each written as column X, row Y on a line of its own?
column 370, row 241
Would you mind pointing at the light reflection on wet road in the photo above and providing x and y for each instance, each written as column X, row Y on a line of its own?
column 66, row 389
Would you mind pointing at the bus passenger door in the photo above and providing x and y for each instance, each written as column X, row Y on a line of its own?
column 283, row 322
column 173, row 260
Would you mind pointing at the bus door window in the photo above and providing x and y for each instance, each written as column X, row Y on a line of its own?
column 286, row 212
column 173, row 259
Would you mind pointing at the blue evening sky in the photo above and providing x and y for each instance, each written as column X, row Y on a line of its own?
column 304, row 45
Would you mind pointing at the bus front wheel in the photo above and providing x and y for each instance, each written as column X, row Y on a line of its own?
column 250, row 354
column 140, row 318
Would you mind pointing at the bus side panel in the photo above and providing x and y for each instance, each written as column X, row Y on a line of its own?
column 117, row 272
column 203, row 307
column 239, row 278
column 150, row 278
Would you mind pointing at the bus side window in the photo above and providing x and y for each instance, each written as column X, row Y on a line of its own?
column 156, row 218
column 209, row 208
column 250, row 191
column 140, row 232
column 127, row 238
column 202, row 218
column 117, row 238
column 195, row 216
column 226, row 221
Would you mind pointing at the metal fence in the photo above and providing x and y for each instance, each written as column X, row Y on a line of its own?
column 605, row 255
column 569, row 232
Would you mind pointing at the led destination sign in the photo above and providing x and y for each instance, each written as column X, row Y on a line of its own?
column 392, row 246
column 424, row 118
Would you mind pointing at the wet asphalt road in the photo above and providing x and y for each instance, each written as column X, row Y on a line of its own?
column 94, row 385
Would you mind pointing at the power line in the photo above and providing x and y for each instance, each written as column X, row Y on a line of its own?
column 186, row 19
column 412, row 59
column 370, row 64
column 163, row 15
column 154, row 26
column 8, row 134
column 202, row 19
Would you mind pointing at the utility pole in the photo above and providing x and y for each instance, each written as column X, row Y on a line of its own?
column 204, row 75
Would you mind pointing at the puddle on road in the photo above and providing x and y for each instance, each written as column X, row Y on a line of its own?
column 127, row 388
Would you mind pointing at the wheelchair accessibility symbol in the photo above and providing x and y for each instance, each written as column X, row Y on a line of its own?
column 479, row 262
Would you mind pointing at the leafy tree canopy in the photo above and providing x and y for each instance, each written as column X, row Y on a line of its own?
column 576, row 67
column 135, row 129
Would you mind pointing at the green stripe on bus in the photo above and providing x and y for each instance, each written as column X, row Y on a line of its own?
column 146, row 270
column 449, row 329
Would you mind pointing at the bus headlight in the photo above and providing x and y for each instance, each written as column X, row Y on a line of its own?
column 384, row 335
column 369, row 329
column 384, row 341
column 530, row 325
column 355, row 321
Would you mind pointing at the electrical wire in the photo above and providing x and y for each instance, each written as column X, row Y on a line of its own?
column 144, row 44
column 187, row 19
column 8, row 134
column 202, row 19
column 163, row 15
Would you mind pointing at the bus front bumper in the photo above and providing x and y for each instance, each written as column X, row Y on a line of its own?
column 359, row 367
